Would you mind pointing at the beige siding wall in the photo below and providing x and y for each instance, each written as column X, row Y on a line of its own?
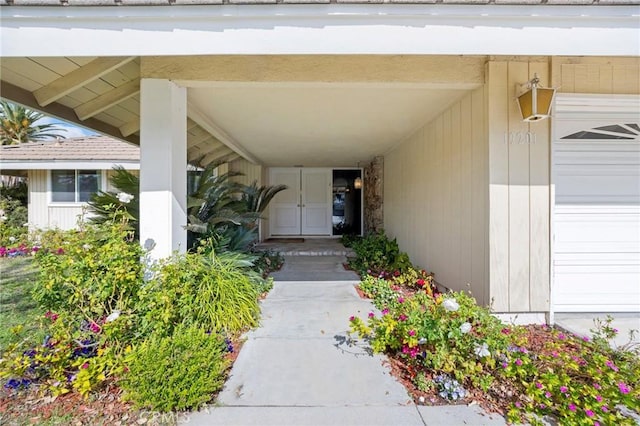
column 518, row 193
column 38, row 202
column 435, row 191
column 596, row 75
column 251, row 172
column 42, row 213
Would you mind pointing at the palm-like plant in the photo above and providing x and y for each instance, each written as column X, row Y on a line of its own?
column 102, row 203
column 17, row 125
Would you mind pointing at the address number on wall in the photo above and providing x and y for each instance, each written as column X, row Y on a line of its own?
column 520, row 138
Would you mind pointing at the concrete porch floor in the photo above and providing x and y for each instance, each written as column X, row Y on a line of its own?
column 582, row 323
column 310, row 247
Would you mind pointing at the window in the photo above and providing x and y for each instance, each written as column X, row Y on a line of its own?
column 74, row 186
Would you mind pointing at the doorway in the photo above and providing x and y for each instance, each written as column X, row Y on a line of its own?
column 319, row 202
column 346, row 216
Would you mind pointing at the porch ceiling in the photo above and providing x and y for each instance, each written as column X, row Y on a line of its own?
column 269, row 122
column 320, row 124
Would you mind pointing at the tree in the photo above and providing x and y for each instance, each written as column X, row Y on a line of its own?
column 18, row 125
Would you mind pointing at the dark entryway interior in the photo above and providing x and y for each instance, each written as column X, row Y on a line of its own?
column 347, row 202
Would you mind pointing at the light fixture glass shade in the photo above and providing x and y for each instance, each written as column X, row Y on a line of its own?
column 535, row 103
column 357, row 184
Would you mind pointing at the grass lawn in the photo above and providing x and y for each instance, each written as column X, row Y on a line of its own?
column 17, row 277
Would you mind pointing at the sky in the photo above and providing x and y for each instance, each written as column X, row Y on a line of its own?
column 72, row 131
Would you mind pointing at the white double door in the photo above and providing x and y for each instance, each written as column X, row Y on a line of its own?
column 304, row 208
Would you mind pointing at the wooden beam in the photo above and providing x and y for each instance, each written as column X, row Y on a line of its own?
column 131, row 127
column 78, row 78
column 211, row 127
column 27, row 99
column 217, row 154
column 195, row 141
column 108, row 99
column 195, row 153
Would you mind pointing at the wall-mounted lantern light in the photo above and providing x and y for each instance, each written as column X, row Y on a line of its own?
column 534, row 100
column 357, row 184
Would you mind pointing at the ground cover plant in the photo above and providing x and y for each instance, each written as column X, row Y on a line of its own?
column 103, row 321
column 447, row 349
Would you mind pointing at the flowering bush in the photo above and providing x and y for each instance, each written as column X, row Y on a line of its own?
column 575, row 379
column 449, row 334
column 376, row 253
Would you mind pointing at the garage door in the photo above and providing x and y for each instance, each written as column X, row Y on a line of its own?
column 596, row 171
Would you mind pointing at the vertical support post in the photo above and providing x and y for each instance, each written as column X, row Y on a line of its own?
column 163, row 166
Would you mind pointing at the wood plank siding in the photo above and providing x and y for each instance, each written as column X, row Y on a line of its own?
column 435, row 192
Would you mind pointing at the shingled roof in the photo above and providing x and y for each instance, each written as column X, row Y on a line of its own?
column 93, row 148
column 220, row 2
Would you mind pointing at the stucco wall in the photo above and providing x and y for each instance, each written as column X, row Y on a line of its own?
column 436, row 196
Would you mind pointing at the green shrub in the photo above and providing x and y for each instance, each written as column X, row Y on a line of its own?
column 209, row 290
column 95, row 271
column 376, row 253
column 176, row 372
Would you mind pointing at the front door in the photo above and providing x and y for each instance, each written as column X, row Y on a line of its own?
column 304, row 208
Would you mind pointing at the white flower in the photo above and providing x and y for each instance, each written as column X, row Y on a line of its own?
column 3, row 218
column 482, row 350
column 125, row 198
column 113, row 316
column 465, row 328
column 451, row 305
column 12, row 239
column 86, row 246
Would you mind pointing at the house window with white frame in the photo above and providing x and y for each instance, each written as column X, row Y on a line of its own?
column 74, row 186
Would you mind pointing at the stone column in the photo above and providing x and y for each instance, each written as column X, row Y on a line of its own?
column 163, row 166
column 374, row 196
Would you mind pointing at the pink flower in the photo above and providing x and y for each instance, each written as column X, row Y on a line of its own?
column 371, row 315
column 555, row 354
column 420, row 282
column 385, row 311
column 563, row 389
column 402, row 317
column 352, row 318
column 85, row 366
column 504, row 364
column 597, row 386
column 412, row 332
column 605, row 409
column 585, row 338
column 60, row 251
column 572, row 407
column 598, row 398
column 539, row 385
column 589, row 413
column 518, row 362
column 396, row 273
column 561, row 336
column 623, row 388
column 518, row 404
column 505, row 331
column 611, row 365
column 95, row 327
column 547, row 394
column 400, row 299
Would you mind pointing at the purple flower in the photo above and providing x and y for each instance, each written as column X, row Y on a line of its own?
column 504, row 364
column 412, row 332
column 598, row 398
column 588, row 412
column 400, row 299
column 518, row 362
column 572, row 407
column 597, row 386
column 585, row 338
column 623, row 388
column 385, row 311
column 611, row 365
column 547, row 394
column 518, row 404
column 615, row 331
column 561, row 336
column 95, row 327
column 563, row 389
column 539, row 385
column 604, row 409
column 371, row 315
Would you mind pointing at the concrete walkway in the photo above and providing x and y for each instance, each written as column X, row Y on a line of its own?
column 296, row 369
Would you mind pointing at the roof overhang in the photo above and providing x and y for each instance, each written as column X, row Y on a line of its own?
column 66, row 165
column 435, row 29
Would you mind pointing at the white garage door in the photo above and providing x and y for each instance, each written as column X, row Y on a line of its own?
column 596, row 171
